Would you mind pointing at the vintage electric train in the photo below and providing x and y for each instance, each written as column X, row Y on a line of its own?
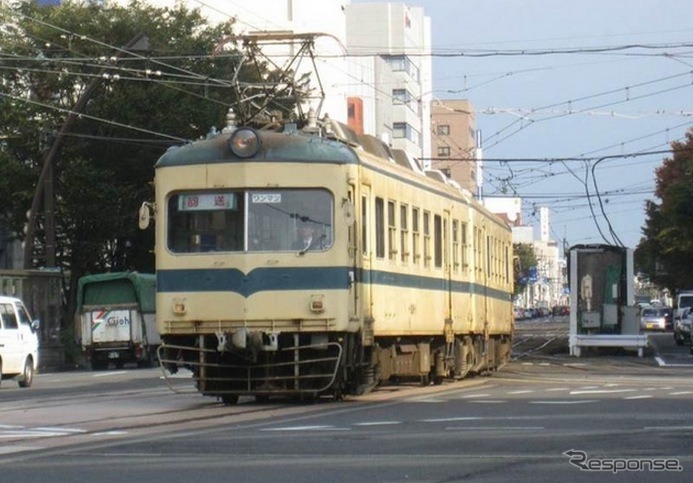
column 314, row 261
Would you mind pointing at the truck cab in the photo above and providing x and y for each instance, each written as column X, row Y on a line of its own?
column 18, row 342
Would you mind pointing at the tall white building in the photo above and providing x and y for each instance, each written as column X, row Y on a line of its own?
column 325, row 17
column 389, row 45
column 373, row 63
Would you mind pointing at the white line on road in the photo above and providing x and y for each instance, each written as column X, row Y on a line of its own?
column 487, row 401
column 107, row 374
column 447, row 420
column 307, row 428
column 601, row 391
column 583, row 401
column 18, row 449
column 378, row 423
column 644, row 396
column 496, row 428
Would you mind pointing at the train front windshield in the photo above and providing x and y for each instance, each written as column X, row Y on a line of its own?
column 285, row 220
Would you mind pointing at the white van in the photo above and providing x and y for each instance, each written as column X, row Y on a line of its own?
column 18, row 342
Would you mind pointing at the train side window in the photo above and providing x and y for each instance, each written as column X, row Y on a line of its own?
column 404, row 232
column 379, row 228
column 464, row 259
column 455, row 245
column 415, row 235
column 392, row 230
column 437, row 241
column 364, row 225
column 506, row 264
column 427, row 238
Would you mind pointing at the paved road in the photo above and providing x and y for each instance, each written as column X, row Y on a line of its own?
column 116, row 426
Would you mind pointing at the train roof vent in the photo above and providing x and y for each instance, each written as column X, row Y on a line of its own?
column 341, row 132
column 437, row 175
column 376, row 147
column 403, row 159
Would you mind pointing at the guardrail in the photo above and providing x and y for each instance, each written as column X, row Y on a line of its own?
column 639, row 341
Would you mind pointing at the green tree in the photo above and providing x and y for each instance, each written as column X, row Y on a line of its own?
column 171, row 86
column 524, row 258
column 665, row 252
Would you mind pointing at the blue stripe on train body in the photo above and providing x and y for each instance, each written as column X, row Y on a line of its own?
column 305, row 278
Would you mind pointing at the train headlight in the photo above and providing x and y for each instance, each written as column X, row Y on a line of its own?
column 245, row 142
column 179, row 307
column 317, row 304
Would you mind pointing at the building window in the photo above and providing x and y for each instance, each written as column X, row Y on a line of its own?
column 402, row 130
column 402, row 63
column 443, row 151
column 443, row 130
column 401, row 96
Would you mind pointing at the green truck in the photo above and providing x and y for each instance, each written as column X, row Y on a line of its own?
column 117, row 318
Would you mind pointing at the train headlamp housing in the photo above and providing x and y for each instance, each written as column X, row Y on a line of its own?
column 245, row 142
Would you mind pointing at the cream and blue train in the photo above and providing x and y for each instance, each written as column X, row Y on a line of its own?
column 314, row 262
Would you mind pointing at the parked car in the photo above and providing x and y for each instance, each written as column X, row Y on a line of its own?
column 652, row 318
column 18, row 342
column 682, row 328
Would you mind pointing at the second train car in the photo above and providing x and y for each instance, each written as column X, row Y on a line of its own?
column 315, row 261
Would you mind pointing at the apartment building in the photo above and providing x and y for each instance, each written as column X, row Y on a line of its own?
column 453, row 144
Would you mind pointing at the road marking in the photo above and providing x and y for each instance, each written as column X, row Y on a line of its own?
column 307, row 428
column 110, row 433
column 488, row 401
column 61, row 430
column 668, row 428
column 680, row 393
column 553, row 389
column 107, row 374
column 494, row 428
column 378, row 423
column 582, row 401
column 601, row 391
column 18, row 449
column 471, row 396
column 526, row 391
column 644, row 396
column 426, row 400
column 662, row 362
column 447, row 420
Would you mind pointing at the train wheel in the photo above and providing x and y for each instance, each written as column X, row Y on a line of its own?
column 229, row 399
column 465, row 358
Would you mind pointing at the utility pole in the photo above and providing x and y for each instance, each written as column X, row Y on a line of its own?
column 44, row 186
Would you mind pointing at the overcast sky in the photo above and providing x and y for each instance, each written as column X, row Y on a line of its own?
column 553, row 79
